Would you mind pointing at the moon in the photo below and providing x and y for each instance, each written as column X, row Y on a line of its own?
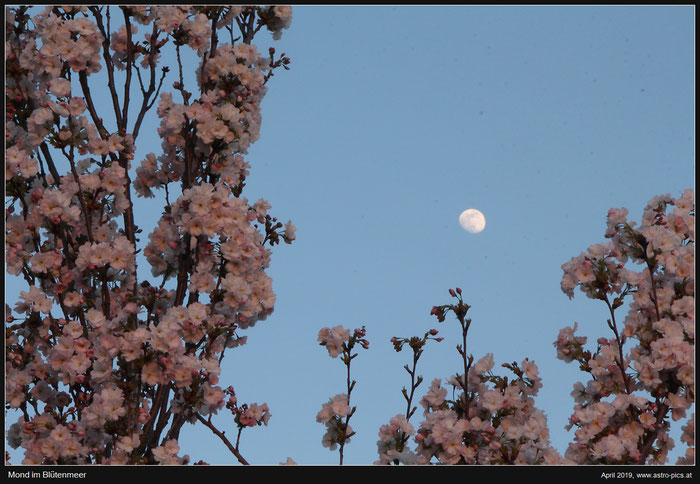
column 472, row 221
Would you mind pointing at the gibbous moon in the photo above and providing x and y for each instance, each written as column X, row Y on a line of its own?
column 472, row 221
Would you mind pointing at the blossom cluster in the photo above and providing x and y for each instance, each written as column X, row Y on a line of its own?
column 502, row 425
column 392, row 440
column 213, row 229
column 334, row 339
column 332, row 415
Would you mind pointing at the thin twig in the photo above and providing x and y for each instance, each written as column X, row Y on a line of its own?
column 234, row 450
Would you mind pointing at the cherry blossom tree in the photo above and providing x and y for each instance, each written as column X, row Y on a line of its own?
column 489, row 420
column 103, row 365
column 624, row 411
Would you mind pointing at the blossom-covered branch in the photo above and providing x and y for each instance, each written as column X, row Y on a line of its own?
column 336, row 414
column 622, row 412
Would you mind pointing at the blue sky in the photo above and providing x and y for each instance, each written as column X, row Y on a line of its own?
column 390, row 123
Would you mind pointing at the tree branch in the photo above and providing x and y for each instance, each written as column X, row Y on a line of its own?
column 223, row 438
